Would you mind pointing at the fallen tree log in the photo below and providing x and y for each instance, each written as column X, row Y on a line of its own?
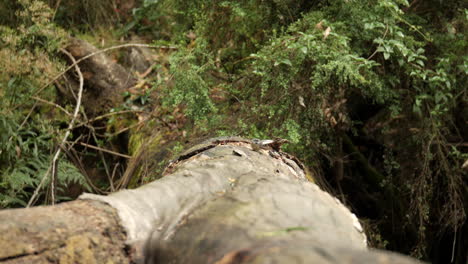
column 105, row 80
column 228, row 200
column 82, row 231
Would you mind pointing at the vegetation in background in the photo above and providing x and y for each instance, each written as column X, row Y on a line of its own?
column 371, row 95
column 336, row 77
column 28, row 59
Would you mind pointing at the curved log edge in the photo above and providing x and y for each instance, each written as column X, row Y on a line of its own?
column 232, row 140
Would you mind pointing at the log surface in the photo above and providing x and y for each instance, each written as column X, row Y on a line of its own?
column 74, row 232
column 225, row 201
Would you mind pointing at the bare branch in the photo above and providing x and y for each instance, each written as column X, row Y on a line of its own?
column 105, row 150
column 376, row 50
column 53, row 168
column 51, row 103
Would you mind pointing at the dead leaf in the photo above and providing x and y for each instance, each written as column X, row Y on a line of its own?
column 319, row 25
column 465, row 165
column 191, row 35
column 18, row 151
column 301, row 101
column 326, row 33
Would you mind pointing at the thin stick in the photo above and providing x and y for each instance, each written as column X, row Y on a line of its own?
column 27, row 116
column 105, row 150
column 56, row 8
column 62, row 143
column 93, row 133
column 72, row 155
column 127, row 128
column 107, row 115
column 22, row 123
column 148, row 71
column 111, row 180
column 461, row 144
column 453, row 245
column 50, row 103
column 384, row 35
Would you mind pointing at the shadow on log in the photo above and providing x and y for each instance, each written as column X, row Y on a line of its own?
column 224, row 201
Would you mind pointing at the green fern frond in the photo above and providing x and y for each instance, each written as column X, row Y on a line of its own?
column 69, row 174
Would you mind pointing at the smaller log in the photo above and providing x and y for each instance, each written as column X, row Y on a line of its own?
column 105, row 80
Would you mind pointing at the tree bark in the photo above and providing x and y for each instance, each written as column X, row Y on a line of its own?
column 82, row 231
column 224, row 201
column 105, row 80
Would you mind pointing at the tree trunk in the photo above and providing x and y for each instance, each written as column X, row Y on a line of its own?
column 227, row 200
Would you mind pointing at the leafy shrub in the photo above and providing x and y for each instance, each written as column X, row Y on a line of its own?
column 314, row 76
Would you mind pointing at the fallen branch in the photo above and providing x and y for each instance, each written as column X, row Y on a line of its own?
column 105, row 150
column 75, row 63
column 106, row 115
column 50, row 103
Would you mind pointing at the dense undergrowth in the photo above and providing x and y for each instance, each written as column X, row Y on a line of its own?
column 370, row 94
column 28, row 58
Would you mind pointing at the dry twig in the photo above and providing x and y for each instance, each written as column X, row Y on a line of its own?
column 84, row 123
column 105, row 150
column 376, row 50
column 53, row 168
column 51, row 103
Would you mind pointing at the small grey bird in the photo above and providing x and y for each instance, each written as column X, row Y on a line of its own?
column 274, row 144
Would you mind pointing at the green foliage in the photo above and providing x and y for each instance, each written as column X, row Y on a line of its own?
column 313, row 72
column 26, row 137
column 160, row 18
column 24, row 159
column 190, row 89
column 78, row 15
column 21, row 157
column 68, row 175
column 305, row 72
column 27, row 45
column 231, row 29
